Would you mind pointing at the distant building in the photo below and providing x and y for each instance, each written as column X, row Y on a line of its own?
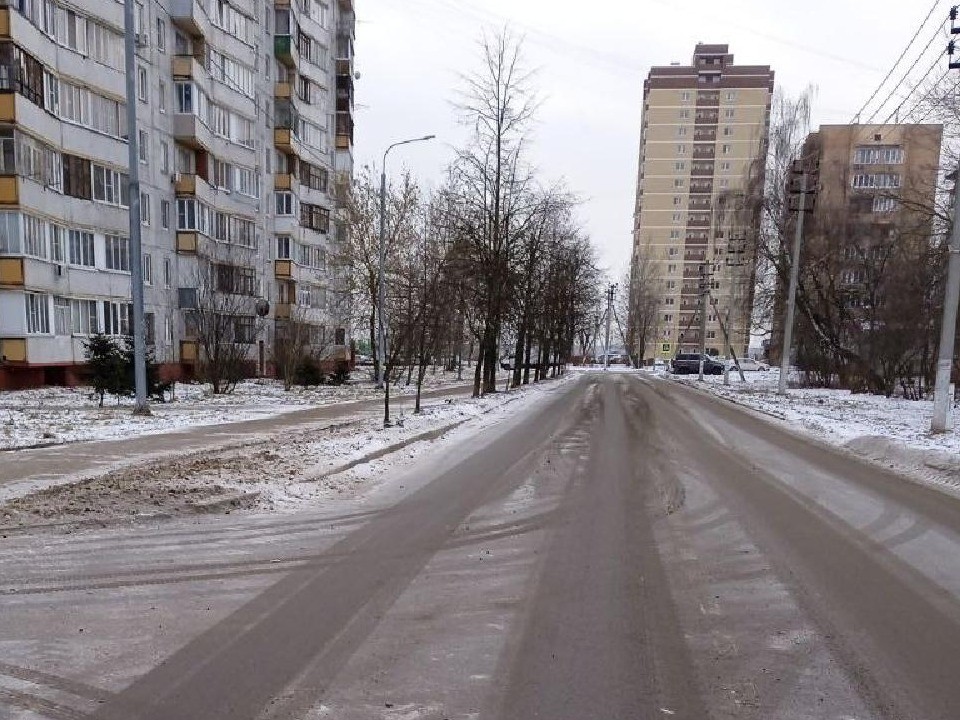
column 245, row 131
column 703, row 141
column 877, row 186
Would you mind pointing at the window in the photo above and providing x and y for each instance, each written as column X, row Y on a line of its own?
column 685, row 96
column 143, row 146
column 164, row 157
column 117, row 253
column 57, row 235
column 681, row 131
column 81, row 248
column 244, row 330
column 141, row 83
column 110, row 186
column 283, row 247
column 185, row 94
column 314, row 217
column 724, row 167
column 674, row 234
column 725, row 149
column 671, row 268
column 884, row 204
column 149, row 328
column 729, row 113
column 167, row 330
column 679, row 166
column 34, row 236
column 117, row 318
column 677, row 217
column 165, row 214
column 148, row 269
column 167, row 273
column 673, row 251
column 878, row 155
column 731, row 95
column 681, row 149
column 668, row 318
column 38, row 313
column 62, row 324
column 161, row 35
column 677, row 201
column 144, row 208
column 284, row 203
column 727, row 131
column 678, row 183
column 684, row 114
column 876, row 180
column 10, row 233
column 314, row 177
column 162, row 96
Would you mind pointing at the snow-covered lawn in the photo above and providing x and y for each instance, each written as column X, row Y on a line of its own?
column 53, row 415
column 891, row 431
column 289, row 470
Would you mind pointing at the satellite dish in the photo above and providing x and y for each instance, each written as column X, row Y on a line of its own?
column 356, row 75
column 262, row 307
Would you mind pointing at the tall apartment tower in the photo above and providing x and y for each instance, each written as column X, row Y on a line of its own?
column 245, row 130
column 702, row 147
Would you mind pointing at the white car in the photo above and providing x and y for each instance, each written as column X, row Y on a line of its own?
column 749, row 365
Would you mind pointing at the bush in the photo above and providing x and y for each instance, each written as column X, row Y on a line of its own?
column 309, row 372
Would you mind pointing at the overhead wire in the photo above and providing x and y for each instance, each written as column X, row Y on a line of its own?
column 906, row 75
column 903, row 54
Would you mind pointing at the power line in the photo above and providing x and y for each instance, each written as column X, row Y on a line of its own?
column 903, row 54
column 907, row 74
column 897, row 109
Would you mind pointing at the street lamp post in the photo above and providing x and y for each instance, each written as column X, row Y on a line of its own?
column 381, row 283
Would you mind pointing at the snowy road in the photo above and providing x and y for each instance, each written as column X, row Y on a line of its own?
column 624, row 548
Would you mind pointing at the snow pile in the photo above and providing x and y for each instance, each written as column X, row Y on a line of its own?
column 53, row 415
column 289, row 470
column 890, row 431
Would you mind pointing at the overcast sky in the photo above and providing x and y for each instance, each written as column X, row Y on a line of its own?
column 591, row 59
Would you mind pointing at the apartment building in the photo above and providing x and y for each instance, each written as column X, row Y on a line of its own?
column 876, row 187
column 703, row 140
column 245, row 132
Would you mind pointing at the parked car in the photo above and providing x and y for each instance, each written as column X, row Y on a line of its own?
column 749, row 365
column 363, row 359
column 659, row 365
column 689, row 363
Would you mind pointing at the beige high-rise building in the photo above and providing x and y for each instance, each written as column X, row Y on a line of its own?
column 704, row 129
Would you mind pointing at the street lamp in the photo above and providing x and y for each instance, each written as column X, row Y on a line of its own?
column 381, row 290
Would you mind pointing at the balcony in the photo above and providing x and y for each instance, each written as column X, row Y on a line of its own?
column 187, row 243
column 346, row 5
column 189, row 351
column 190, row 17
column 9, row 190
column 283, row 311
column 185, row 184
column 283, row 140
column 285, row 50
column 284, row 181
column 344, row 53
column 283, row 269
column 344, row 138
column 184, row 66
column 11, row 272
column 189, row 131
column 283, row 90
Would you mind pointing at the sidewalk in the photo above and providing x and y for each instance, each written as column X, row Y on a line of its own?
column 83, row 457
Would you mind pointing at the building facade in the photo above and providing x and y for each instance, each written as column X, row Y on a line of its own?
column 245, row 134
column 872, row 220
column 702, row 145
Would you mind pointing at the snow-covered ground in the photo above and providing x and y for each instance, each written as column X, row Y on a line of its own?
column 890, row 431
column 54, row 415
column 291, row 470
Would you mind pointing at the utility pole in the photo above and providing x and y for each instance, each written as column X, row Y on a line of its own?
column 942, row 400
column 606, row 343
column 141, row 406
column 801, row 194
column 704, row 297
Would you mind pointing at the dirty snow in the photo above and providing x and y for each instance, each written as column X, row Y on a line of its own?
column 292, row 470
column 893, row 432
column 54, row 415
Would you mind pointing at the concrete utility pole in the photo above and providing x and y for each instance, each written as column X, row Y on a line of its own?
column 382, row 260
column 141, row 406
column 606, row 343
column 942, row 417
column 942, row 400
column 792, row 293
column 704, row 302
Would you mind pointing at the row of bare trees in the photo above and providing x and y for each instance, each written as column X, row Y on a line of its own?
column 489, row 269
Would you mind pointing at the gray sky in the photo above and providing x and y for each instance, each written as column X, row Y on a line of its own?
column 591, row 59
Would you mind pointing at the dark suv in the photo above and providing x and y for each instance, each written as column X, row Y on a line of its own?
column 689, row 363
